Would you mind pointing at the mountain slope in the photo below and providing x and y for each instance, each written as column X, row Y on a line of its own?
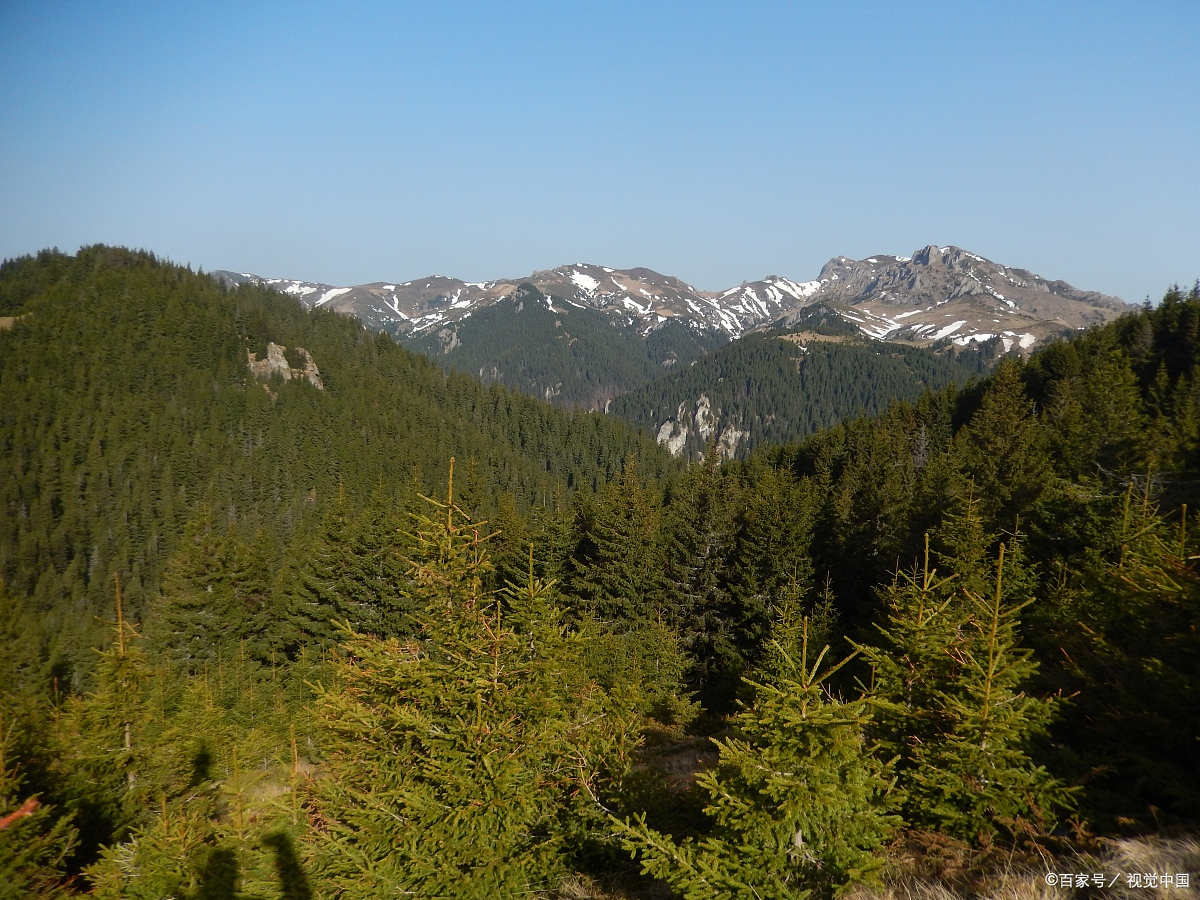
column 947, row 292
column 560, row 352
column 139, row 395
column 598, row 332
column 937, row 292
column 639, row 298
column 777, row 386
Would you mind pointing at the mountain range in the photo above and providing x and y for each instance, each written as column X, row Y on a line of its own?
column 781, row 358
column 937, row 293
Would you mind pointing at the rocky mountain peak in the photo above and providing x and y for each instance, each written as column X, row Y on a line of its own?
column 947, row 293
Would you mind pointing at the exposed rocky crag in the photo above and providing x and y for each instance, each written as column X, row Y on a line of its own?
column 942, row 293
column 276, row 363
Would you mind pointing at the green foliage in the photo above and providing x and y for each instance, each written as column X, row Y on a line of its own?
column 796, row 803
column 947, row 677
column 618, row 561
column 464, row 762
column 221, row 766
column 25, row 278
column 129, row 411
column 217, row 595
column 776, row 390
column 101, row 733
column 1129, row 624
column 34, row 842
column 644, row 665
column 772, row 557
column 568, row 355
column 349, row 572
column 485, row 704
column 1001, row 449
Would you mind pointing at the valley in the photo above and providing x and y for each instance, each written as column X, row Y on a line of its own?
column 637, row 344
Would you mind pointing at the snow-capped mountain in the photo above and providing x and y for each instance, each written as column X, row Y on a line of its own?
column 948, row 293
column 937, row 293
column 641, row 298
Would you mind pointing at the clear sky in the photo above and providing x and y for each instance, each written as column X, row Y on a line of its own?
column 718, row 142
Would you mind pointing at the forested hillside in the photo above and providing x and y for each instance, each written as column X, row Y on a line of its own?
column 560, row 351
column 949, row 641
column 130, row 411
column 777, row 386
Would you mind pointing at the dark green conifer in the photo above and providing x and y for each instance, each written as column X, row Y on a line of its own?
column 696, row 598
column 1132, row 659
column 351, row 573
column 796, row 802
column 466, row 761
column 618, row 569
column 35, row 842
column 772, row 561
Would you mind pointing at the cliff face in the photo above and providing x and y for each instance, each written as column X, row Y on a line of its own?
column 276, row 364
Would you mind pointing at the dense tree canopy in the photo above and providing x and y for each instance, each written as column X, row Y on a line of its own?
column 322, row 683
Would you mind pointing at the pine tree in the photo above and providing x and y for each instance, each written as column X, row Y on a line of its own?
column 947, row 678
column 100, row 734
column 796, row 803
column 34, row 841
column 464, row 762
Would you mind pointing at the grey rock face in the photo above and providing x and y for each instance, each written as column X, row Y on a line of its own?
column 276, row 364
column 947, row 293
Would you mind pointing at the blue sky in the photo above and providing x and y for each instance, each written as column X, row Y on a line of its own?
column 713, row 141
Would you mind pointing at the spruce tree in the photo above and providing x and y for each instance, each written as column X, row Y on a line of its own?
column 618, row 568
column 1131, row 655
column 1003, row 450
column 217, row 595
column 977, row 778
column 796, row 802
column 35, row 842
column 696, row 599
column 351, row 572
column 772, row 556
column 465, row 761
column 947, row 679
column 101, row 734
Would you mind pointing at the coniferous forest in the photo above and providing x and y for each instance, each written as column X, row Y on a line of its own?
column 388, row 631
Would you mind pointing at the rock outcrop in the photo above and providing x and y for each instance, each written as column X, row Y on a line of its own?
column 276, row 363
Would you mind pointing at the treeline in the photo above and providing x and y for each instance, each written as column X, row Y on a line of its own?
column 969, row 625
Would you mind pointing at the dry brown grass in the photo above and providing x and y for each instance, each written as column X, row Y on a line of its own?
column 943, row 874
column 937, row 869
column 805, row 337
